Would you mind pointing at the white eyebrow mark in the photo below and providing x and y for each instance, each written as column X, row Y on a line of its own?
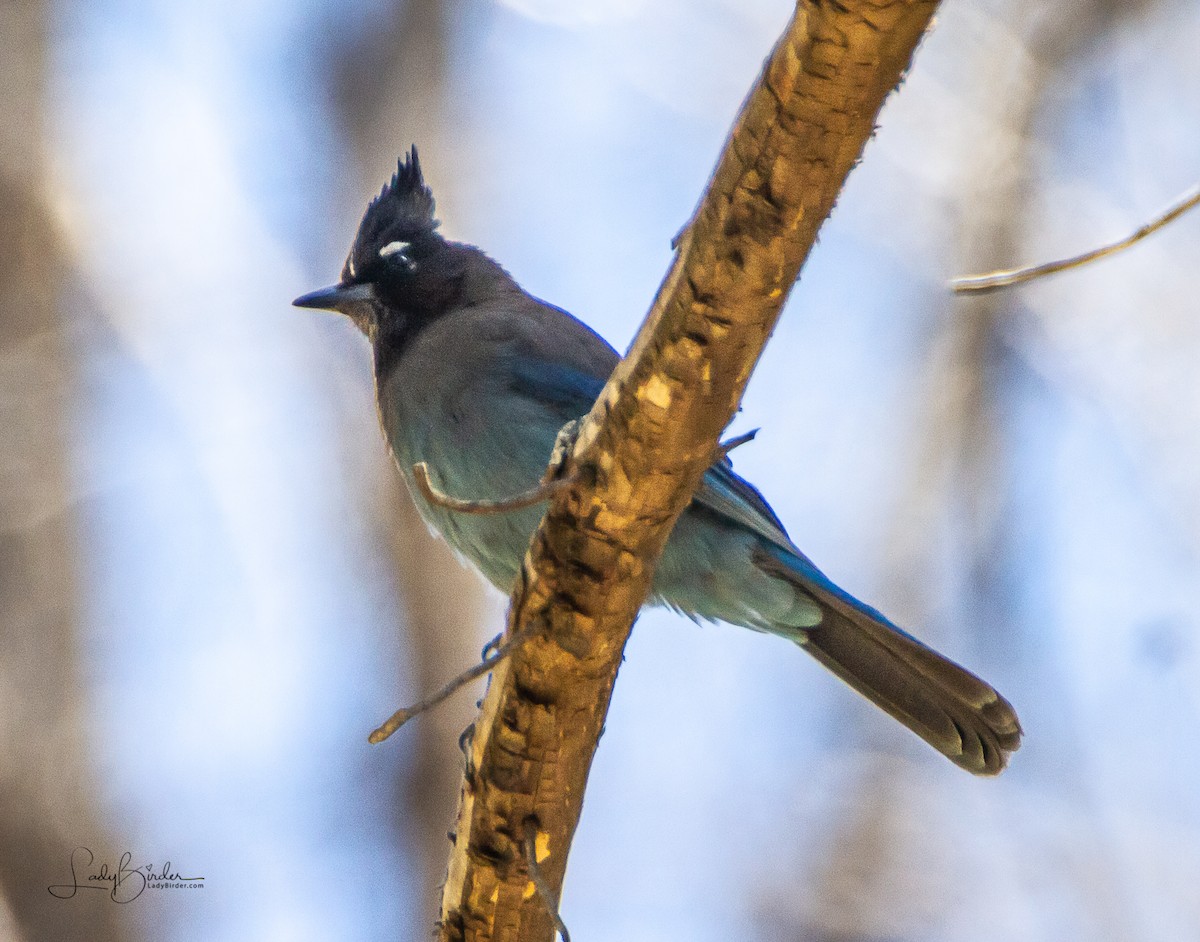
column 393, row 248
column 350, row 266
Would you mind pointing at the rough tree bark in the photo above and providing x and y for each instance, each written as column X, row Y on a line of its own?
column 641, row 451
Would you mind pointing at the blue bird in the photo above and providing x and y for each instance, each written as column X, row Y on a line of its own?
column 475, row 377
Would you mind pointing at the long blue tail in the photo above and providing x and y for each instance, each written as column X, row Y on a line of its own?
column 961, row 716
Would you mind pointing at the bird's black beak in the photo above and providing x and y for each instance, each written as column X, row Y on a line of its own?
column 334, row 298
column 325, row 299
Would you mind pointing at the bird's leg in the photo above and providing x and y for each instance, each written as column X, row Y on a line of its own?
column 491, row 646
column 465, row 742
column 564, row 441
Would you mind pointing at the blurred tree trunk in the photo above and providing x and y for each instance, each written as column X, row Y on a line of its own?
column 392, row 93
column 962, row 469
column 47, row 784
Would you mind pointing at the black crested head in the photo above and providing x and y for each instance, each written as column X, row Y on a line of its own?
column 401, row 275
column 400, row 215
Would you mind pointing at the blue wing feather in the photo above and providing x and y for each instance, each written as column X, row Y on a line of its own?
column 571, row 392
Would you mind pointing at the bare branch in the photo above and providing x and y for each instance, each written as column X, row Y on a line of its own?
column 975, row 284
column 737, row 441
column 403, row 715
column 643, row 448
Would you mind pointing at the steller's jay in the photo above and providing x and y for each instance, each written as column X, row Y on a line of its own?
column 476, row 378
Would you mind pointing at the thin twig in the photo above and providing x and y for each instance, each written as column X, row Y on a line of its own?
column 539, row 880
column 968, row 284
column 543, row 492
column 724, row 448
column 402, row 716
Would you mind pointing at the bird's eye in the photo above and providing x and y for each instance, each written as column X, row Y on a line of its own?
column 398, row 252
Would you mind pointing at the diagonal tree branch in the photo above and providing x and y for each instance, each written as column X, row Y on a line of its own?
column 641, row 452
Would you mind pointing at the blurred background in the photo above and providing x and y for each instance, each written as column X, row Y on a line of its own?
column 212, row 585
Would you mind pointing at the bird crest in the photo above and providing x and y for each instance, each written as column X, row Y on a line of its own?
column 400, row 214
